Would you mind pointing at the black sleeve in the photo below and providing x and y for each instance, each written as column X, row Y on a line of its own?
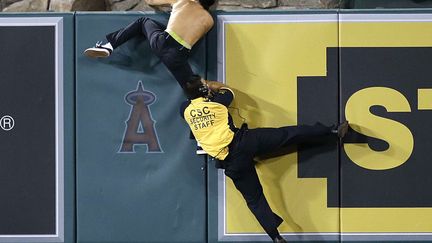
column 224, row 97
column 183, row 108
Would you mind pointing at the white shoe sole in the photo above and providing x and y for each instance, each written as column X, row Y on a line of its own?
column 96, row 52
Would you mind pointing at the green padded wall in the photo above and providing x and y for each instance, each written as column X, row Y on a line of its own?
column 143, row 193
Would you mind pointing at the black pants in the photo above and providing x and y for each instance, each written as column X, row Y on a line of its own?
column 172, row 54
column 240, row 165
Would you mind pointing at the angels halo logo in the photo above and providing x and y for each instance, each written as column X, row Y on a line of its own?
column 140, row 126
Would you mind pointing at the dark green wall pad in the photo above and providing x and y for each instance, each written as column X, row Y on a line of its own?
column 132, row 188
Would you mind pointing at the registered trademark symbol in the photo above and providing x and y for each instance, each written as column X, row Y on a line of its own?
column 7, row 123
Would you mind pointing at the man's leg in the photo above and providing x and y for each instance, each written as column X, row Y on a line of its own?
column 175, row 59
column 173, row 55
column 268, row 140
column 247, row 182
column 143, row 26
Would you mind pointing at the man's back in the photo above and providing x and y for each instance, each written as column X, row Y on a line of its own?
column 210, row 122
column 190, row 21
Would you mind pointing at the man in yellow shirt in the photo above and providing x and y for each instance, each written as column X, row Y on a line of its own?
column 188, row 23
column 206, row 113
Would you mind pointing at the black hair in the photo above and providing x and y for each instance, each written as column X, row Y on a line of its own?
column 194, row 88
column 207, row 3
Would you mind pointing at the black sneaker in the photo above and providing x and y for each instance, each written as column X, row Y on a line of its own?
column 342, row 129
column 99, row 50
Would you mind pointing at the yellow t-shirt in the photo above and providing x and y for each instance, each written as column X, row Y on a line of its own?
column 209, row 124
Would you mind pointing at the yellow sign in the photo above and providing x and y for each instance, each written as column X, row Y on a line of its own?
column 262, row 56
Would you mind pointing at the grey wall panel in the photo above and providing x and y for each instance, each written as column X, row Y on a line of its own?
column 38, row 158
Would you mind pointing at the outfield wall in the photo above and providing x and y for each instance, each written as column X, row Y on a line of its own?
column 95, row 150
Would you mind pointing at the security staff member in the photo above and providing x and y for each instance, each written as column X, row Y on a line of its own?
column 189, row 22
column 206, row 113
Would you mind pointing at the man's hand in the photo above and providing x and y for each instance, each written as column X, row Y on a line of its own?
column 215, row 86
